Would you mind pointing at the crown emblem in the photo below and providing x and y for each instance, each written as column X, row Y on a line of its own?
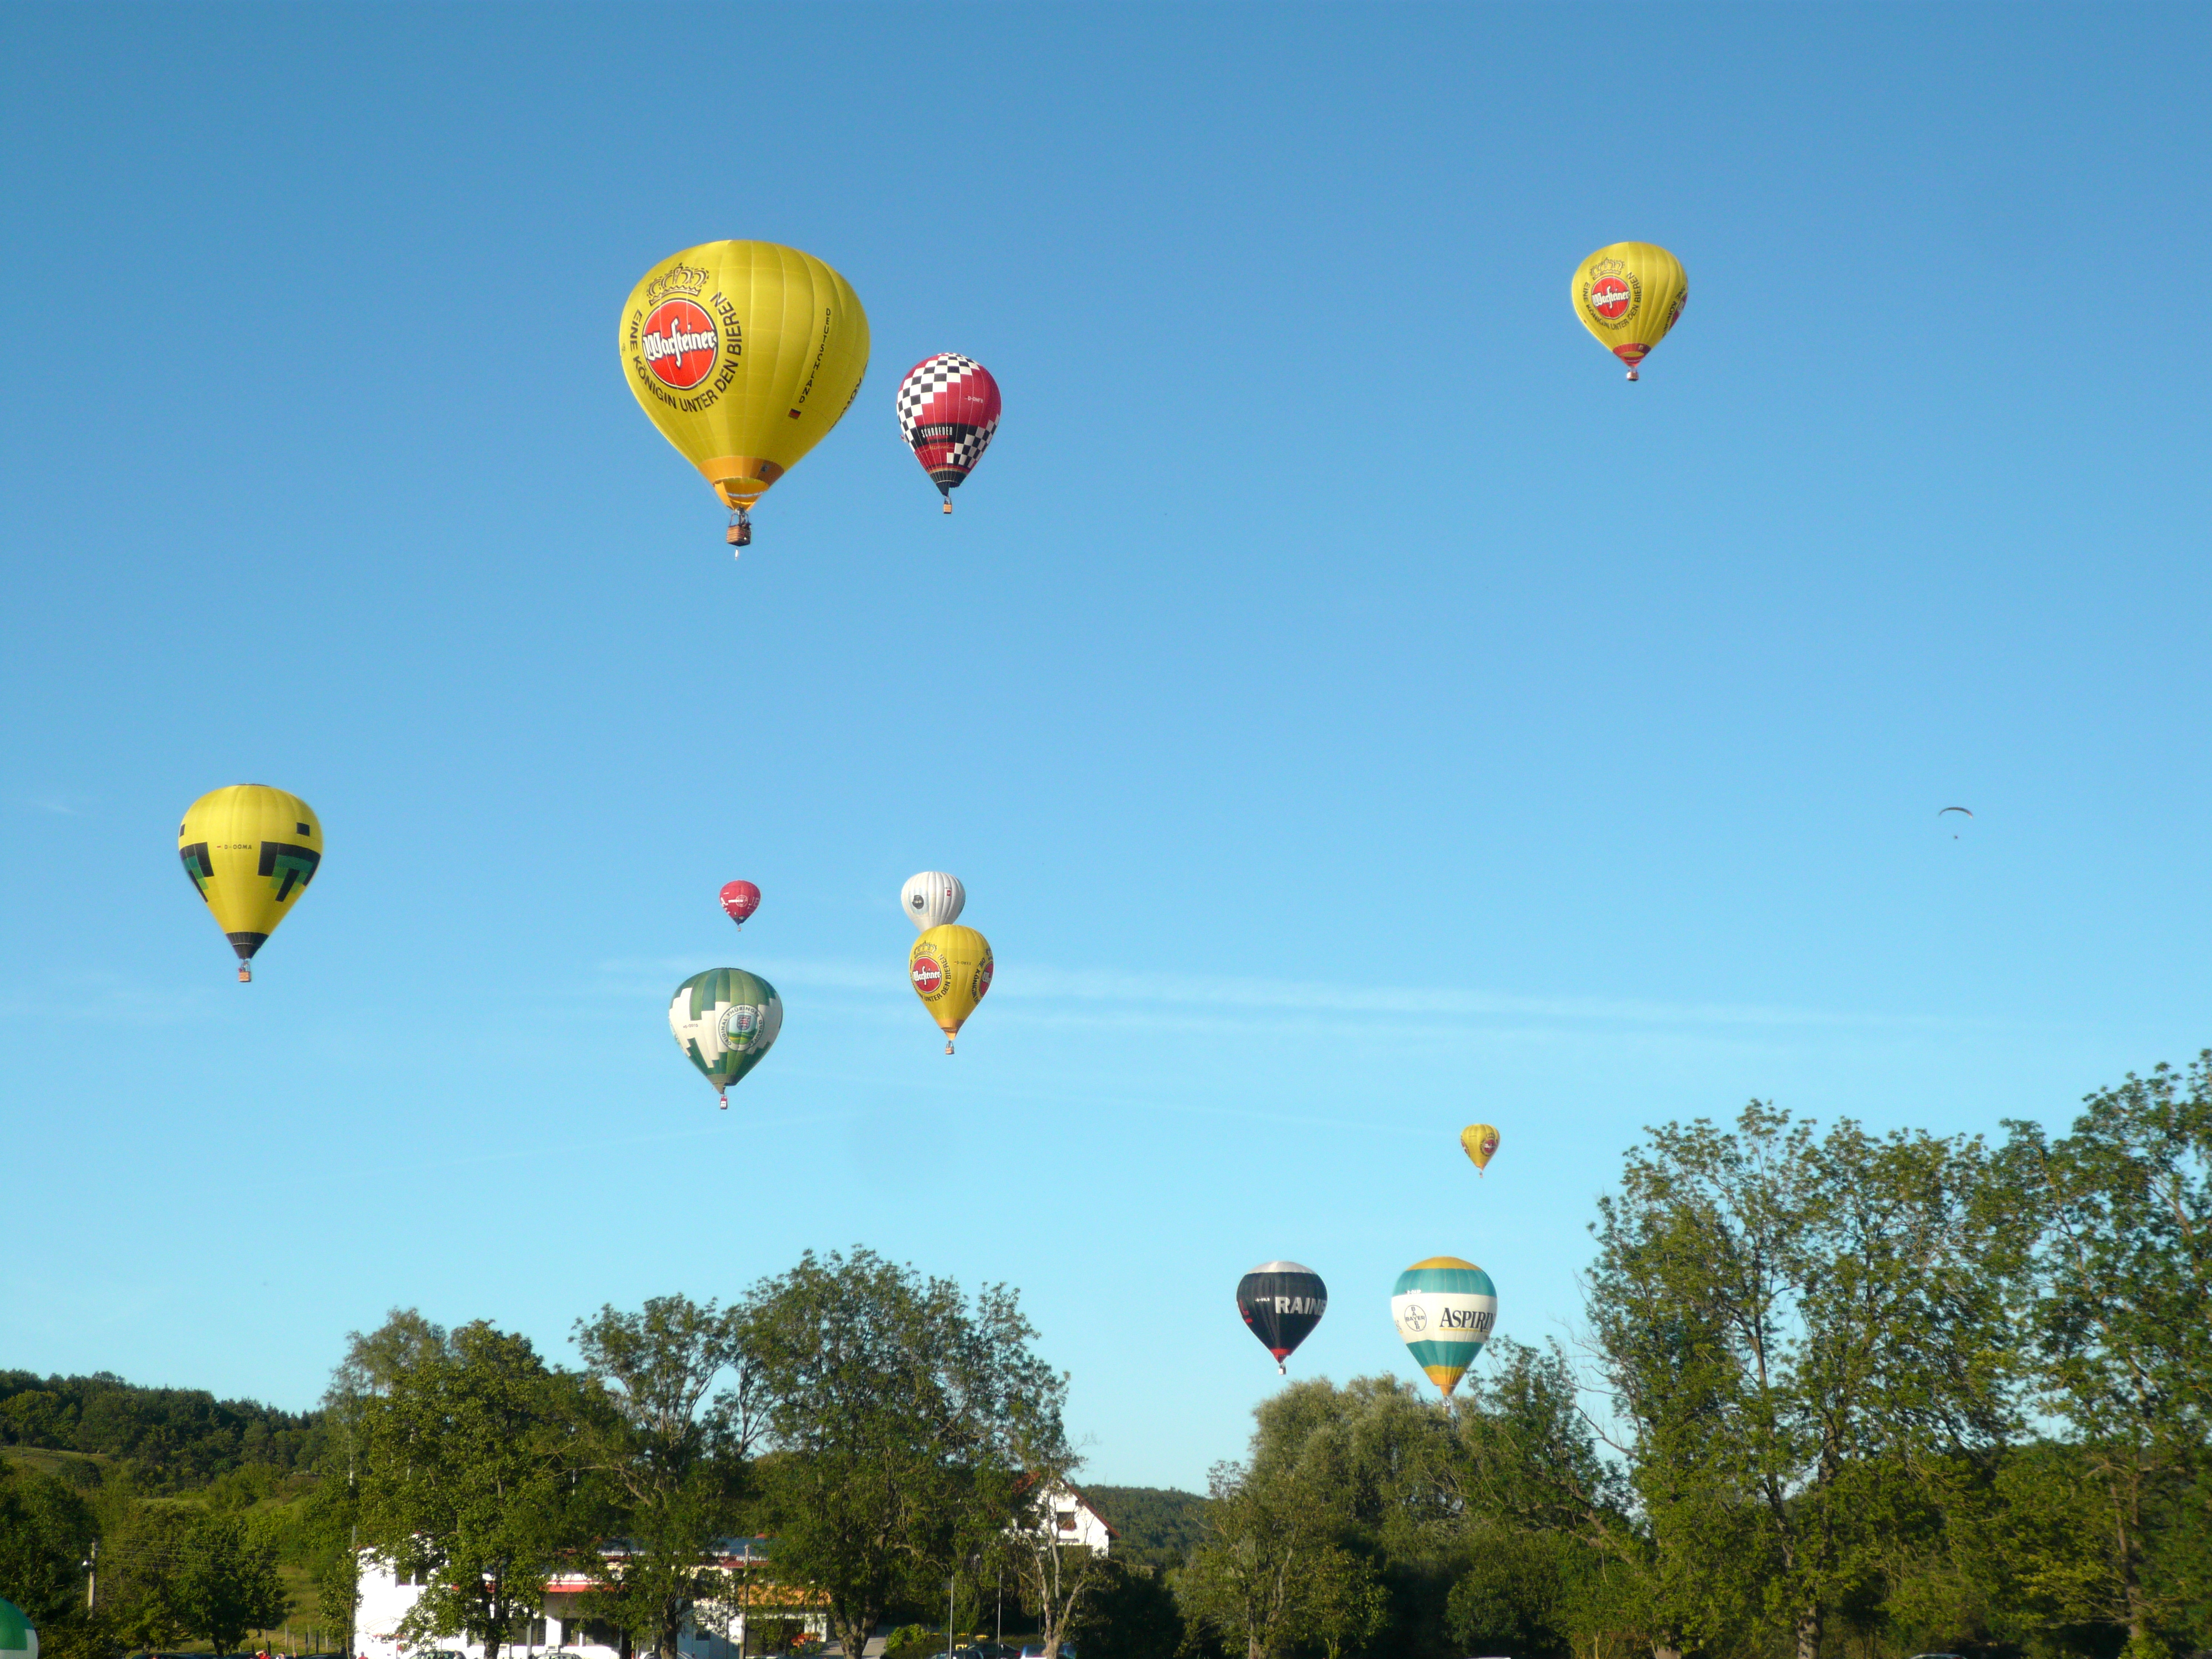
column 1608, row 267
column 686, row 280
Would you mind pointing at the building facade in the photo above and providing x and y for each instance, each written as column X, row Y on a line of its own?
column 752, row 1615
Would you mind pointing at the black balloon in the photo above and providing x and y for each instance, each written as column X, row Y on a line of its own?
column 1281, row 1302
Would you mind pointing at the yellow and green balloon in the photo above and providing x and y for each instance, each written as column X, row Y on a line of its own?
column 250, row 852
column 724, row 1020
column 1444, row 1309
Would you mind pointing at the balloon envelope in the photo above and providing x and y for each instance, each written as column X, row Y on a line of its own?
column 948, row 413
column 744, row 354
column 932, row 898
column 1281, row 1302
column 1444, row 1309
column 950, row 970
column 1628, row 294
column 250, row 852
column 724, row 1020
column 1479, row 1142
column 740, row 900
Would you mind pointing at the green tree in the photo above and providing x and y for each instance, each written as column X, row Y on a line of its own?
column 46, row 1529
column 670, row 1449
column 1804, row 1333
column 1248, row 1583
column 466, row 1469
column 2122, row 1323
column 897, row 1410
column 225, row 1582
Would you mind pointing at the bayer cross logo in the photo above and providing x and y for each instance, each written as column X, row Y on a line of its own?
column 920, row 901
column 1415, row 1319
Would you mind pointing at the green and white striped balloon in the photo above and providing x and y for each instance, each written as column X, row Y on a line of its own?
column 1444, row 1309
column 724, row 1019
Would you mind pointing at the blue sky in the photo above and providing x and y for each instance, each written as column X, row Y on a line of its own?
column 1353, row 709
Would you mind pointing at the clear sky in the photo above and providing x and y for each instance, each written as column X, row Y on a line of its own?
column 1354, row 710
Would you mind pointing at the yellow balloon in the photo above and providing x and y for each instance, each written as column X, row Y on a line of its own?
column 744, row 354
column 1479, row 1141
column 251, row 851
column 1628, row 294
column 950, row 968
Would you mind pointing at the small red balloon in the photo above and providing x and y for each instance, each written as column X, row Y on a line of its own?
column 740, row 899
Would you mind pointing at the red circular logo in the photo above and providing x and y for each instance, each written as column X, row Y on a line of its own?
column 983, row 978
column 1610, row 297
column 929, row 976
column 679, row 343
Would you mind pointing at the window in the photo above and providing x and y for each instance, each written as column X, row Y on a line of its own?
column 1068, row 1520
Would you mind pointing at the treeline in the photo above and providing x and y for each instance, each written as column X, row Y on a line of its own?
column 166, row 1440
column 1841, row 1396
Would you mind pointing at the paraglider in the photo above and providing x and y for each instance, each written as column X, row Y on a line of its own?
column 1444, row 1309
column 1628, row 294
column 933, row 898
column 1281, row 1302
column 1479, row 1142
column 724, row 1019
column 950, row 969
column 250, row 852
column 740, row 900
column 948, row 413
column 744, row 354
column 1939, row 817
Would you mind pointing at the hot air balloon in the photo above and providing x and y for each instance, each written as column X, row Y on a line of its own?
column 950, row 967
column 744, row 354
column 1443, row 1309
column 740, row 900
column 1479, row 1142
column 933, row 898
column 948, row 413
column 1629, row 295
column 1281, row 1302
column 18, row 1639
column 251, row 851
column 724, row 1019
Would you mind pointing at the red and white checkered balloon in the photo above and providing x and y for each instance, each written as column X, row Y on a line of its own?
column 948, row 412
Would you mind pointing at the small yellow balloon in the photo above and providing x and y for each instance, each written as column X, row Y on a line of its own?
column 1479, row 1141
column 251, row 851
column 1629, row 295
column 950, row 968
column 744, row 354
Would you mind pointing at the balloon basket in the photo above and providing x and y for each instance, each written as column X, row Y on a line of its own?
column 948, row 1045
column 948, row 504
column 245, row 974
column 1633, row 375
column 724, row 1100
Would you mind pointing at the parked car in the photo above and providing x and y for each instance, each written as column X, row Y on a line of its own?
column 1035, row 1650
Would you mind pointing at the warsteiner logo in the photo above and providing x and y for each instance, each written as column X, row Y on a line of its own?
column 928, row 976
column 1612, row 292
column 983, row 977
column 679, row 343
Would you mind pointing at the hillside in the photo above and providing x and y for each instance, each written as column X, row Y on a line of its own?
column 168, row 1440
column 1156, row 1525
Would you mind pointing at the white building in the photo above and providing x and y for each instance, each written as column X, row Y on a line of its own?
column 752, row 1608
column 1073, row 1520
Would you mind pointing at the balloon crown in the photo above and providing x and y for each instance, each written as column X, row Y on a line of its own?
column 676, row 279
column 1608, row 267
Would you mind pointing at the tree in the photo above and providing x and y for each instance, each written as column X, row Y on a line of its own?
column 1248, row 1584
column 669, row 1449
column 1804, row 1334
column 2121, row 1319
column 225, row 1582
column 897, row 1410
column 45, row 1528
column 467, row 1469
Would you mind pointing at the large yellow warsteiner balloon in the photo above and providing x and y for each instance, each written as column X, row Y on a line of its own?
column 251, row 851
column 950, row 967
column 1628, row 294
column 744, row 353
